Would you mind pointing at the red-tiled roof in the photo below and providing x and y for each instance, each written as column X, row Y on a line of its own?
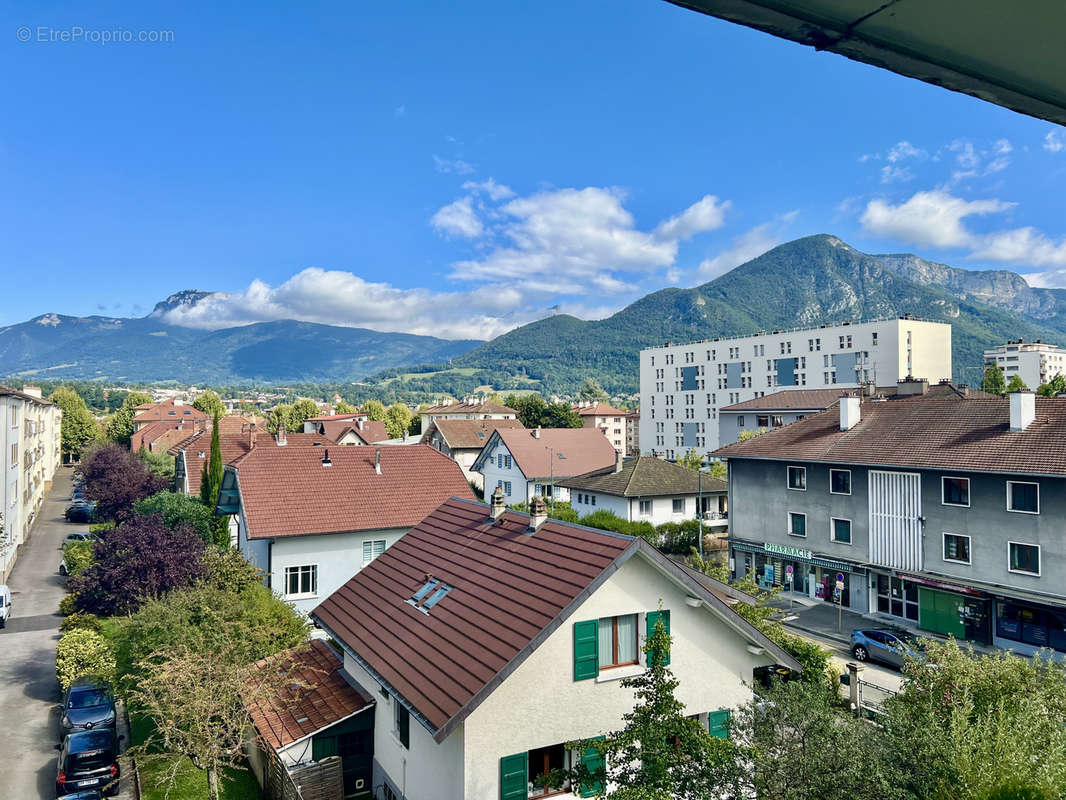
column 511, row 590
column 468, row 433
column 790, row 400
column 286, row 491
column 940, row 430
column 336, row 417
column 167, row 439
column 487, row 407
column 371, row 431
column 573, row 451
column 169, row 410
column 599, row 410
column 154, row 430
column 646, row 476
column 322, row 696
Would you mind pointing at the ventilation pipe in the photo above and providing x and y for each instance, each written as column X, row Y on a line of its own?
column 377, row 462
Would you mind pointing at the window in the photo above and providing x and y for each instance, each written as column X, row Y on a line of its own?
column 301, row 581
column 797, row 524
column 1024, row 558
column 797, row 478
column 840, row 530
column 955, row 491
column 957, row 548
column 505, row 485
column 542, row 763
column 762, row 421
column 372, row 549
column 645, row 508
column 1023, row 497
column 617, row 641
column 740, row 422
column 840, row 481
column 402, row 719
column 503, row 462
column 679, row 505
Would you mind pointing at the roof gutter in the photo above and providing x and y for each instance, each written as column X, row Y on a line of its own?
column 306, row 736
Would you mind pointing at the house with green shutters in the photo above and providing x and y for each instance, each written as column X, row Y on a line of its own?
column 489, row 639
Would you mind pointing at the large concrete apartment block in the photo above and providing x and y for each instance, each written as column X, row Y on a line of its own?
column 682, row 386
column 1034, row 362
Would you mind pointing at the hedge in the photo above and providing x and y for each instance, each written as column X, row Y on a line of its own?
column 83, row 652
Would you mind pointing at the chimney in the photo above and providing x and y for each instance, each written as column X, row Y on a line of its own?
column 1022, row 410
column 911, row 386
column 325, row 459
column 618, row 460
column 538, row 514
column 850, row 412
column 377, row 462
column 498, row 505
column 536, row 432
column 178, row 402
column 32, row 391
column 281, row 434
column 251, row 435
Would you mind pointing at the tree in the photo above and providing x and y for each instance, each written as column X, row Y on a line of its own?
column 211, row 485
column 210, row 403
column 801, row 743
column 592, row 392
column 116, row 479
column 179, row 510
column 661, row 752
column 78, row 429
column 560, row 415
column 530, row 408
column 691, row 460
column 993, row 380
column 719, row 469
column 1054, row 387
column 141, row 558
column 748, row 434
column 374, row 409
column 344, row 407
column 278, row 417
column 161, row 464
column 120, row 425
column 301, row 411
column 1016, row 384
column 397, row 420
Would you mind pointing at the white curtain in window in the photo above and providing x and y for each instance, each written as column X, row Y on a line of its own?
column 606, row 639
column 627, row 638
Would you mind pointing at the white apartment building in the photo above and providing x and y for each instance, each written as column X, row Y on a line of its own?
column 682, row 386
column 29, row 455
column 1034, row 362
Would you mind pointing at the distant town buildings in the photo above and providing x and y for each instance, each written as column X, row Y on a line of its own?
column 683, row 386
column 772, row 411
column 610, row 421
column 469, row 408
column 463, row 440
column 1034, row 362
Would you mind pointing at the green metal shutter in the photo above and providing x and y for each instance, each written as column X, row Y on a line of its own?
column 939, row 612
column 514, row 777
column 592, row 761
column 718, row 723
column 586, row 650
column 653, row 618
column 323, row 747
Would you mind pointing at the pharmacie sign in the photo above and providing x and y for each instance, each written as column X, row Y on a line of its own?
column 785, row 550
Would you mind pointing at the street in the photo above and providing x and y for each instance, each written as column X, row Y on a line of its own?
column 29, row 694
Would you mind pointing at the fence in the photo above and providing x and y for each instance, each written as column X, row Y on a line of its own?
column 866, row 698
column 319, row 780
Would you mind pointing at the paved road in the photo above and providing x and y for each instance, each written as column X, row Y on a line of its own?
column 29, row 693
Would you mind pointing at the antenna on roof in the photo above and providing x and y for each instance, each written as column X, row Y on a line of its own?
column 325, row 459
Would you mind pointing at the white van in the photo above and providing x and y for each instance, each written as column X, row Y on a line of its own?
column 5, row 604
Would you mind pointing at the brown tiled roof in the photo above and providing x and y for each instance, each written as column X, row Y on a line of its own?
column 155, row 430
column 790, row 400
column 939, row 430
column 574, row 451
column 371, row 432
column 599, row 410
column 7, row 391
column 169, row 410
column 167, row 439
column 286, row 491
column 321, row 697
column 487, row 407
column 510, row 591
column 339, row 417
column 645, row 476
column 469, row 433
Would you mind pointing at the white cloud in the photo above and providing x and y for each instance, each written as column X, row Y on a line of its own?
column 933, row 218
column 452, row 166
column 458, row 219
column 707, row 214
column 1021, row 246
column 744, row 248
column 891, row 174
column 904, row 150
column 1052, row 142
column 495, row 191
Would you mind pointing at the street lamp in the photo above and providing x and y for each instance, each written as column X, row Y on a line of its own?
column 551, row 474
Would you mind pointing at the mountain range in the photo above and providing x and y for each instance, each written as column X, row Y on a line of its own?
column 805, row 282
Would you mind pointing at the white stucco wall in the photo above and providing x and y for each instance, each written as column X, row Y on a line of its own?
column 339, row 556
column 662, row 508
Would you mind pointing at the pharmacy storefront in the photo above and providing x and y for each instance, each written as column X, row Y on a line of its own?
column 809, row 573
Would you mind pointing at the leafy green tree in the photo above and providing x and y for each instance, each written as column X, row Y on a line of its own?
column 560, row 415
column 993, row 380
column 210, row 403
column 344, row 407
column 83, row 651
column 691, row 460
column 592, row 392
column 530, row 408
column 211, row 479
column 719, row 469
column 120, row 425
column 1016, row 384
column 78, row 429
column 160, row 464
column 660, row 752
column 178, row 510
column 301, row 411
column 748, row 434
column 281, row 415
column 374, row 410
column 1054, row 387
column 397, row 420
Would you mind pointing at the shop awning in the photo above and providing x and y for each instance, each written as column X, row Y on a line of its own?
column 796, row 554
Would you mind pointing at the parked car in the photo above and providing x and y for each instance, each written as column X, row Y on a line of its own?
column 88, row 704
column 88, row 760
column 92, row 794
column 5, row 604
column 887, row 646
column 80, row 536
column 81, row 511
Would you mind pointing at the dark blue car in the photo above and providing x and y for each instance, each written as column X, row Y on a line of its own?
column 88, row 704
column 887, row 646
column 88, row 760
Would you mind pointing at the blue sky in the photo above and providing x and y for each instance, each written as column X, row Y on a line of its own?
column 401, row 166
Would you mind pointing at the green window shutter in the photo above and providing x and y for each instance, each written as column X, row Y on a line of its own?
column 718, row 723
column 653, row 618
column 592, row 761
column 514, row 777
column 586, row 650
column 323, row 747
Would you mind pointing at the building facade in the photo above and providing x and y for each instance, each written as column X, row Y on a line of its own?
column 610, row 421
column 772, row 411
column 469, row 408
column 1034, row 362
column 682, row 387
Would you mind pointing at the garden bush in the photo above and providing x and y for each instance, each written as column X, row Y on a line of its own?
column 78, row 556
column 83, row 652
column 79, row 620
column 68, row 605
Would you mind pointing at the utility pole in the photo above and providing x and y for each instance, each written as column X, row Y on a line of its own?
column 699, row 509
column 551, row 473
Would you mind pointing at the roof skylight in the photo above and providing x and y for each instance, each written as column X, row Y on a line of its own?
column 431, row 593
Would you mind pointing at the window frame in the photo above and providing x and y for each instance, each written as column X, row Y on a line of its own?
column 614, row 643
column 399, row 709
column 832, row 531
column 640, row 508
column 314, row 581
column 944, row 548
column 371, row 542
column 943, row 493
column 788, row 478
column 791, row 529
column 1039, row 559
column 831, row 471
column 673, row 505
column 1010, row 497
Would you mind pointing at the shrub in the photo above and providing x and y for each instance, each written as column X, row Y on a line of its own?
column 229, row 570
column 608, row 521
column 116, row 479
column 79, row 620
column 83, row 652
column 179, row 509
column 78, row 556
column 557, row 510
column 68, row 605
column 101, row 527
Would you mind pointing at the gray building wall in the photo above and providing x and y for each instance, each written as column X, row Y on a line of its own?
column 729, row 431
